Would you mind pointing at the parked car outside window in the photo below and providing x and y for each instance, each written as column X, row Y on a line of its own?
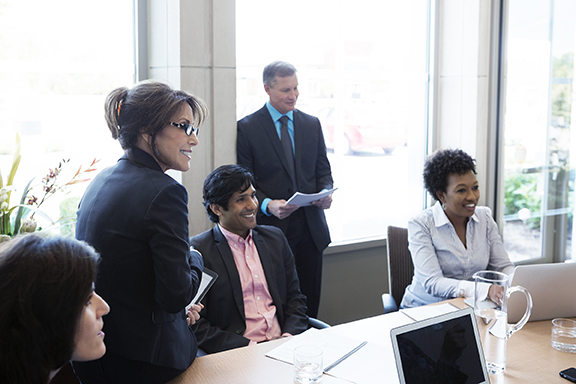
column 349, row 131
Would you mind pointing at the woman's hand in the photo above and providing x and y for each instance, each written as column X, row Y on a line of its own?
column 194, row 313
column 496, row 293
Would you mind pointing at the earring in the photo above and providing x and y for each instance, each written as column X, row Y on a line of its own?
column 443, row 205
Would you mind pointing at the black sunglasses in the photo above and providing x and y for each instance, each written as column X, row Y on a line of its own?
column 188, row 128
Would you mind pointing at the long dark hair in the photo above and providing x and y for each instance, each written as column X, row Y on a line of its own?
column 45, row 283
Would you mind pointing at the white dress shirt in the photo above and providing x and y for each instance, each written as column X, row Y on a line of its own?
column 443, row 267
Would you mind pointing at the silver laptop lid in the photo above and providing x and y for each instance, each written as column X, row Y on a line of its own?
column 552, row 287
column 443, row 349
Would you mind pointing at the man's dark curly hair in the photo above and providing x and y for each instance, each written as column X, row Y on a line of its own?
column 222, row 183
column 442, row 163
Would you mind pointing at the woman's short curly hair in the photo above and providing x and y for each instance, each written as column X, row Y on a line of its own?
column 443, row 163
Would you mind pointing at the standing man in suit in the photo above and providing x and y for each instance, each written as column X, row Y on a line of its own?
column 256, row 296
column 285, row 150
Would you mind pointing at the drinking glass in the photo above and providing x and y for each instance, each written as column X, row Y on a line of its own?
column 564, row 335
column 308, row 365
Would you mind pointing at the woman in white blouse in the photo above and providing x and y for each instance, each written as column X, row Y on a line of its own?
column 455, row 238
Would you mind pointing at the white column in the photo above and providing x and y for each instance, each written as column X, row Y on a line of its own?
column 464, row 84
column 191, row 45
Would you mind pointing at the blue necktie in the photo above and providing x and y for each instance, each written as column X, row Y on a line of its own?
column 288, row 151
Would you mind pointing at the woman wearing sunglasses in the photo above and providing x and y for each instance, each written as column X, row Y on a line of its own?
column 136, row 216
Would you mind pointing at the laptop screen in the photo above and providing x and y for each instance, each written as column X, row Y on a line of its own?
column 444, row 349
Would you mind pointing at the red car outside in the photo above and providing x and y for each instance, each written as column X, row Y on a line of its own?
column 347, row 133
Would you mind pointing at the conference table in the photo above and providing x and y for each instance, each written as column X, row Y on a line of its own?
column 530, row 357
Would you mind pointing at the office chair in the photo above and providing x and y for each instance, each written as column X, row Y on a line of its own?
column 318, row 324
column 400, row 268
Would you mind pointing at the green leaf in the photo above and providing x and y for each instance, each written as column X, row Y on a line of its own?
column 16, row 162
column 60, row 224
column 36, row 211
column 20, row 212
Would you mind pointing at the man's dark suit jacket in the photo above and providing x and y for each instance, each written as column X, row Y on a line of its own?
column 136, row 217
column 222, row 322
column 259, row 148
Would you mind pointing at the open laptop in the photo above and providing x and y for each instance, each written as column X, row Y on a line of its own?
column 442, row 349
column 552, row 287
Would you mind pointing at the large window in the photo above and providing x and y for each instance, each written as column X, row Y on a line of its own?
column 539, row 143
column 363, row 70
column 58, row 61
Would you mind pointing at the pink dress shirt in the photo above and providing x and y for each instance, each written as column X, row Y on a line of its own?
column 259, row 309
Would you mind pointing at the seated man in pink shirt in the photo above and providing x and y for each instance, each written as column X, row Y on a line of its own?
column 256, row 296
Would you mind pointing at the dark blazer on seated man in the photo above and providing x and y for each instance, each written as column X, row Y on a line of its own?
column 233, row 308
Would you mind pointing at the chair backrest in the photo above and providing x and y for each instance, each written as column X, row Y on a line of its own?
column 400, row 267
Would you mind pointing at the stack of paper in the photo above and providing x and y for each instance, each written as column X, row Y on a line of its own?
column 333, row 347
column 345, row 358
column 304, row 199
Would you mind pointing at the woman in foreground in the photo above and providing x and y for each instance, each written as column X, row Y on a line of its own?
column 49, row 312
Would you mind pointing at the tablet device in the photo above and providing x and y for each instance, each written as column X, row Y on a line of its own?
column 208, row 279
column 442, row 349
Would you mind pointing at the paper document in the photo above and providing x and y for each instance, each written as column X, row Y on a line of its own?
column 373, row 364
column 376, row 329
column 335, row 349
column 304, row 199
column 370, row 363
